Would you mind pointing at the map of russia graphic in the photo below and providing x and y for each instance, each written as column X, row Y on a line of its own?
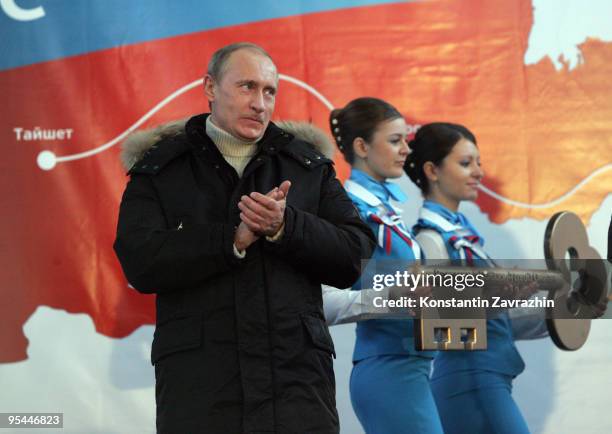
column 544, row 133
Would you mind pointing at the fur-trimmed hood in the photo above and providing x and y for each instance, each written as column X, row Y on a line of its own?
column 139, row 142
column 309, row 133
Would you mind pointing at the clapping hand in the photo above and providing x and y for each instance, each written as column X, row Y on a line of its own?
column 264, row 214
column 248, row 230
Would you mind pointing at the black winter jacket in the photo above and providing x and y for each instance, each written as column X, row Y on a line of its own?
column 241, row 345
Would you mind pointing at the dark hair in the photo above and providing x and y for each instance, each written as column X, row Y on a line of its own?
column 433, row 142
column 216, row 66
column 359, row 118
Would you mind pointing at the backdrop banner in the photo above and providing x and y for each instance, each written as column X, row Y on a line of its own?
column 531, row 79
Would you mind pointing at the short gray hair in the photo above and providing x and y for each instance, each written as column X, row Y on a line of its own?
column 216, row 66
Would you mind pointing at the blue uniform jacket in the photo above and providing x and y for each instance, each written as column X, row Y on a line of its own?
column 395, row 242
column 464, row 242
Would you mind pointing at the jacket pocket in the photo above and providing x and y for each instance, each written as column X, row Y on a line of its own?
column 176, row 334
column 318, row 332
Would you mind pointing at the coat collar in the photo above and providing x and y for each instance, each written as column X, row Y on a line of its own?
column 446, row 219
column 142, row 142
column 374, row 192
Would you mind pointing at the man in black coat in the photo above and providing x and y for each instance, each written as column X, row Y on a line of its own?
column 234, row 224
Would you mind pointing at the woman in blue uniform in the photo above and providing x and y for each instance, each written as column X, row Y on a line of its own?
column 389, row 383
column 472, row 389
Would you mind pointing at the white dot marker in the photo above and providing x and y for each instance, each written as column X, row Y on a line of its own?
column 46, row 160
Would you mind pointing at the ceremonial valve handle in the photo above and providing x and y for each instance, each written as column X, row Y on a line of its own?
column 568, row 322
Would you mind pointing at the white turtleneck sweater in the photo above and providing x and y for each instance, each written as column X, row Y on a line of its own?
column 236, row 152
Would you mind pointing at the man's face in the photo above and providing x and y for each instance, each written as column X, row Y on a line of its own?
column 243, row 99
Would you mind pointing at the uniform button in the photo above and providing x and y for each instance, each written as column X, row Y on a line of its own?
column 203, row 148
column 318, row 157
column 144, row 166
column 272, row 148
column 155, row 167
column 217, row 166
column 259, row 159
column 307, row 161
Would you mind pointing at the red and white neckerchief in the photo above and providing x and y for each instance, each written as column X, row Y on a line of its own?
column 464, row 241
column 388, row 220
